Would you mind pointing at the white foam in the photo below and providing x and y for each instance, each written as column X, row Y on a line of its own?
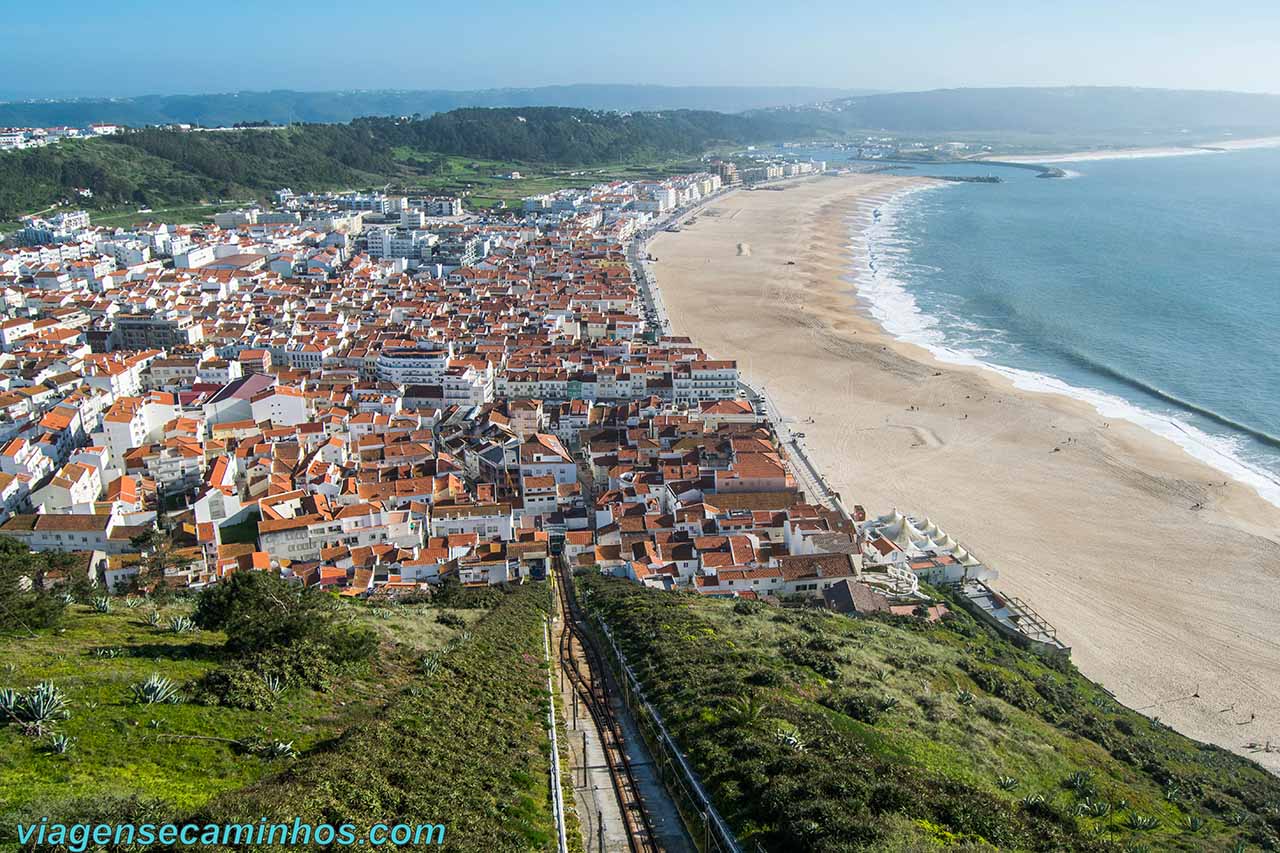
column 894, row 307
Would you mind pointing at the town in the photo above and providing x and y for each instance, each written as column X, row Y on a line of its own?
column 375, row 394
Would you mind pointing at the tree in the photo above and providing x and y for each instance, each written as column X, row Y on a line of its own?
column 24, row 604
column 156, row 547
column 260, row 611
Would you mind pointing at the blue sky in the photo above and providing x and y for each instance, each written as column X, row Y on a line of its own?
column 57, row 48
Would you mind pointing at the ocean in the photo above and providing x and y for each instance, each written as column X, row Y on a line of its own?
column 1147, row 287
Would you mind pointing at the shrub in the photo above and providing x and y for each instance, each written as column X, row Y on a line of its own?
column 451, row 620
column 255, row 682
column 825, row 664
column 235, row 686
column 261, row 611
column 865, row 707
column 992, row 710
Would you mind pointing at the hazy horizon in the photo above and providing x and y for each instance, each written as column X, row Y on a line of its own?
column 911, row 46
column 6, row 96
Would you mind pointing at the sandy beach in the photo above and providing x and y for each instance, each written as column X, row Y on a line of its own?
column 1144, row 153
column 1176, row 610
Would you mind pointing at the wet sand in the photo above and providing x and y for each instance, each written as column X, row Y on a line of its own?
column 1091, row 522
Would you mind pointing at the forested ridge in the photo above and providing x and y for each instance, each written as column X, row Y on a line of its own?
column 157, row 166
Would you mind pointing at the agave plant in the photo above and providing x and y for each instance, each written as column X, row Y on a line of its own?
column 744, row 710
column 1236, row 819
column 1141, row 823
column 1080, row 781
column 153, row 618
column 107, row 652
column 964, row 697
column 275, row 684
column 1172, row 792
column 1006, row 783
column 181, row 625
column 132, row 602
column 1193, row 823
column 280, row 749
column 37, row 708
column 101, row 604
column 789, row 736
column 1032, row 800
column 67, row 598
column 61, row 744
column 429, row 665
column 1093, row 808
column 156, row 690
column 8, row 705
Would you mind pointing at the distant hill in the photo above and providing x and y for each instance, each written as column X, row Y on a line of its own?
column 1068, row 110
column 285, row 106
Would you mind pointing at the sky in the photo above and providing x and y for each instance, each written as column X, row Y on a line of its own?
column 58, row 48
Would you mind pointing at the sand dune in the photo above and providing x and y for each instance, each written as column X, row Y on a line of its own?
column 1176, row 610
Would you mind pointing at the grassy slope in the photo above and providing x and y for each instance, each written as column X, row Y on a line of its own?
column 119, row 751
column 466, row 746
column 964, row 709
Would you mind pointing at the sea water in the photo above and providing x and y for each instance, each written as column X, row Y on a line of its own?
column 1147, row 287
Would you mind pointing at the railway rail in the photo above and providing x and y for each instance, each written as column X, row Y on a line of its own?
column 582, row 663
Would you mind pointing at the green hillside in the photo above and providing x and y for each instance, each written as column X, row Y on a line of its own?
column 819, row 732
column 425, row 712
column 155, row 168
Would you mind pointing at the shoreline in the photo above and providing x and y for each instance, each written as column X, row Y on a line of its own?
column 1212, row 450
column 1139, row 153
column 1090, row 521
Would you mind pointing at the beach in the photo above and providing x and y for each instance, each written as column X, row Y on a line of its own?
column 1143, row 153
column 1093, row 522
